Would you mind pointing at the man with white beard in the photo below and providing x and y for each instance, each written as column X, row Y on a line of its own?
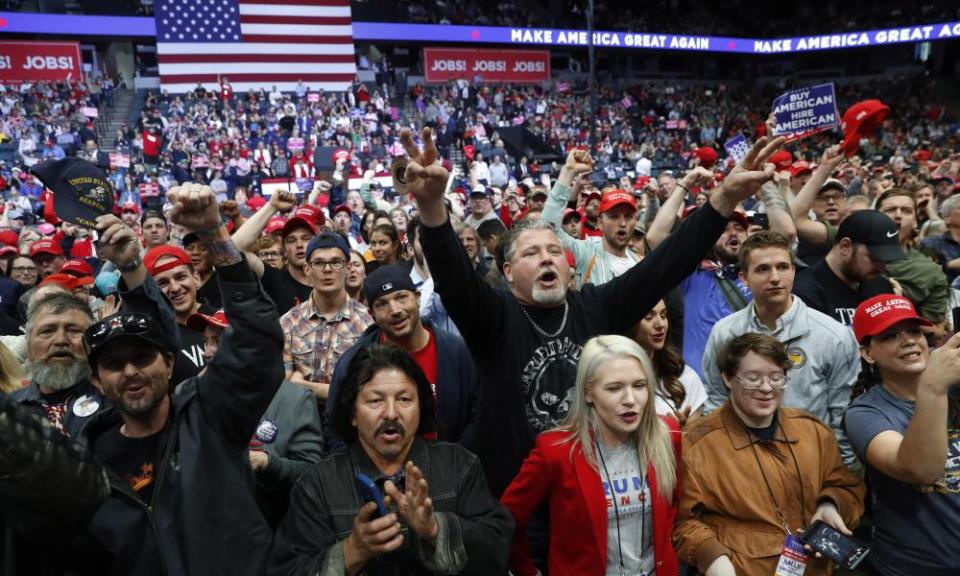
column 526, row 342
column 60, row 388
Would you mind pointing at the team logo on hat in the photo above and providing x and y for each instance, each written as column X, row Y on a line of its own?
column 387, row 286
column 267, row 431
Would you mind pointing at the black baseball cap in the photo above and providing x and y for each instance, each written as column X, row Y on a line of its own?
column 387, row 280
column 877, row 231
column 81, row 191
column 123, row 325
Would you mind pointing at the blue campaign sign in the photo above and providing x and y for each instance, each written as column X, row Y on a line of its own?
column 737, row 147
column 806, row 111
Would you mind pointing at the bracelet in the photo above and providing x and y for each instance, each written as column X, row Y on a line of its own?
column 131, row 266
column 682, row 187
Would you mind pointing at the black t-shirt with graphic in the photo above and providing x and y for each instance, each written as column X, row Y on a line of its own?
column 822, row 290
column 189, row 361
column 136, row 460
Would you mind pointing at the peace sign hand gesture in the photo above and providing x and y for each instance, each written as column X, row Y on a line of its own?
column 426, row 178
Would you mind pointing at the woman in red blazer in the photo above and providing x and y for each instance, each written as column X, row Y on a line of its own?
column 635, row 459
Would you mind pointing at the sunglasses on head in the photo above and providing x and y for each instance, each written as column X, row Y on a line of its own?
column 126, row 323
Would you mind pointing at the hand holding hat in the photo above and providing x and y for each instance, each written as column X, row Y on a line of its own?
column 118, row 242
column 860, row 121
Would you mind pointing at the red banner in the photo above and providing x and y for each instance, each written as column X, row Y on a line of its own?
column 518, row 66
column 40, row 61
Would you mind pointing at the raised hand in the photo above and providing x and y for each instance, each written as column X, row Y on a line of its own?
column 698, row 177
column 415, row 505
column 748, row 176
column 194, row 207
column 118, row 242
column 579, row 161
column 283, row 200
column 426, row 178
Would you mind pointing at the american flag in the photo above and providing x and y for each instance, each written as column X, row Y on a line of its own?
column 255, row 44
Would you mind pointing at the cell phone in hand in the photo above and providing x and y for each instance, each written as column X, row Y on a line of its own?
column 835, row 545
column 370, row 493
column 761, row 220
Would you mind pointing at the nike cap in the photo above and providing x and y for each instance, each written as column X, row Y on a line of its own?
column 877, row 231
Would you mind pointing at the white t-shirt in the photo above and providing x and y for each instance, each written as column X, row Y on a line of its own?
column 620, row 264
column 696, row 394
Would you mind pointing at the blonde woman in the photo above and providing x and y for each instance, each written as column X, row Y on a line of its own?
column 608, row 473
column 11, row 376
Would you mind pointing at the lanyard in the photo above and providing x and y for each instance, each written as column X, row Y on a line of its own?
column 773, row 498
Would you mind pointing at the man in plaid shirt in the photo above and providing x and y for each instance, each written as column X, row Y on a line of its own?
column 318, row 331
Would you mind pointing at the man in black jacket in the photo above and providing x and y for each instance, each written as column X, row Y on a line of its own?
column 526, row 342
column 182, row 497
column 445, row 521
column 395, row 306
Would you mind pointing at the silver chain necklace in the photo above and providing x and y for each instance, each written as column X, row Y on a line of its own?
column 541, row 331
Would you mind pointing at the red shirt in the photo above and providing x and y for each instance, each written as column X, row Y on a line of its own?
column 426, row 358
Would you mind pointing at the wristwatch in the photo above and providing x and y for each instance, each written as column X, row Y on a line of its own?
column 132, row 265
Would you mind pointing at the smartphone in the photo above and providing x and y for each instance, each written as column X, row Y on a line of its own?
column 955, row 318
column 836, row 546
column 370, row 493
column 761, row 220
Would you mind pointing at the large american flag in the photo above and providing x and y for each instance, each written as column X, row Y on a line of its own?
column 255, row 44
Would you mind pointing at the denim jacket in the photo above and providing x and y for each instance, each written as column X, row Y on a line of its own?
column 474, row 536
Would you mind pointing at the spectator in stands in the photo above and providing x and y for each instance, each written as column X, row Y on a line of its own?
column 755, row 441
column 822, row 351
column 902, row 423
column 385, row 246
column 48, row 255
column 270, row 250
column 945, row 248
column 394, row 304
column 24, row 271
column 612, row 455
column 60, row 389
column 452, row 523
column 154, row 228
column 481, row 206
column 851, row 271
column 678, row 390
column 322, row 328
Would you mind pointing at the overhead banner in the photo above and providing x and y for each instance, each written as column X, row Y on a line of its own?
column 39, row 62
column 515, row 66
column 806, row 111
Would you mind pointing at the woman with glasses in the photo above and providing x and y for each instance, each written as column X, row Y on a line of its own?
column 904, row 424
column 756, row 473
column 608, row 474
column 23, row 271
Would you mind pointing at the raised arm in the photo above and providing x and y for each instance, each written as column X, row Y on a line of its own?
column 667, row 213
column 462, row 291
column 246, row 235
column 809, row 230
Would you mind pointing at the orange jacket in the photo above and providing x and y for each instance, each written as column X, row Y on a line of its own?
column 726, row 507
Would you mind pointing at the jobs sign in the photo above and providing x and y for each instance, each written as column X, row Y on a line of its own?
column 518, row 66
column 39, row 61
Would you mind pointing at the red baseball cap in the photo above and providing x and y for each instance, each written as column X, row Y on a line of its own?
column 591, row 193
column 800, row 167
column 9, row 238
column 199, row 322
column 68, row 282
column 860, row 120
column 45, row 246
column 614, row 198
column 641, row 181
column 342, row 208
column 567, row 212
column 8, row 250
column 875, row 315
column 130, row 207
column 275, row 225
column 782, row 159
column 78, row 268
column 178, row 256
column 707, row 156
column 305, row 215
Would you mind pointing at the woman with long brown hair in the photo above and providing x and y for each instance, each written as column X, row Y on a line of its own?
column 678, row 389
column 609, row 473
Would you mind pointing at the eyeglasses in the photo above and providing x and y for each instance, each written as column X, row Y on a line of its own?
column 126, row 323
column 334, row 265
column 270, row 255
column 24, row 269
column 755, row 381
column 825, row 198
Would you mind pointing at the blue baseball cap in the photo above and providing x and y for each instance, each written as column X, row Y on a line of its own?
column 329, row 240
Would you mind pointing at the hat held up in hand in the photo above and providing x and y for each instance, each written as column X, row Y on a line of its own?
column 81, row 191
column 860, row 121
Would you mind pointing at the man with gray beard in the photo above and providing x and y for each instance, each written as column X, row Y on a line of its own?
column 60, row 388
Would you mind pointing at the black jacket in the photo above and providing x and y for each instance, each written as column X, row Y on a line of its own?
column 475, row 530
column 456, row 379
column 203, row 518
column 525, row 379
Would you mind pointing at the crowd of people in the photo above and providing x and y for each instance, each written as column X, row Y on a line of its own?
column 639, row 359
